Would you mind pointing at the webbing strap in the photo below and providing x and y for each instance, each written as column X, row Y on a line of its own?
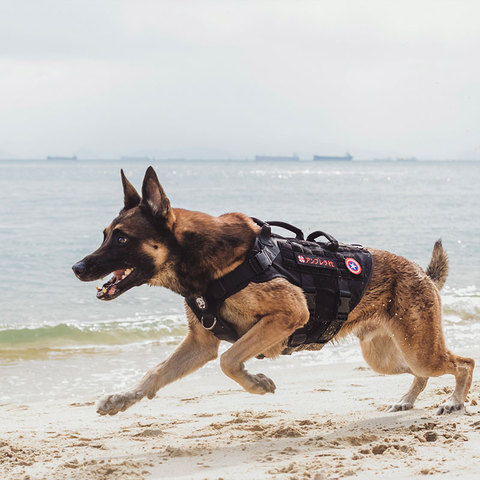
column 234, row 281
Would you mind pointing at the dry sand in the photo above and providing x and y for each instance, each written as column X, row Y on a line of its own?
column 323, row 422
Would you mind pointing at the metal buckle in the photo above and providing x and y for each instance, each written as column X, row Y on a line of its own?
column 202, row 320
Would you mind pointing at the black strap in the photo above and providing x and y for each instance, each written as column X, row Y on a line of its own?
column 211, row 320
column 239, row 278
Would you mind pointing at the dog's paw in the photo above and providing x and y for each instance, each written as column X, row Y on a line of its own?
column 399, row 407
column 450, row 406
column 118, row 402
column 261, row 384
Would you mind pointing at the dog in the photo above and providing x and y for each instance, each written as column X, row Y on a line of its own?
column 398, row 320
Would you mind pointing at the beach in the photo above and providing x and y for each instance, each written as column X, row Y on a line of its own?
column 323, row 422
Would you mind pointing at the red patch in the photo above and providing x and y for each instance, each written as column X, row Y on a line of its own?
column 313, row 261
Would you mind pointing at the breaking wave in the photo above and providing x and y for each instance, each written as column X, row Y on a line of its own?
column 461, row 313
column 87, row 335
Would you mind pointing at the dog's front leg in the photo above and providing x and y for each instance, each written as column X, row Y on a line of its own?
column 268, row 332
column 199, row 347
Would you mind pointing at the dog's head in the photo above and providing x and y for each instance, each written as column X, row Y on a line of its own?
column 138, row 246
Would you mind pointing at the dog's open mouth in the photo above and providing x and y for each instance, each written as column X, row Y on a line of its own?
column 121, row 281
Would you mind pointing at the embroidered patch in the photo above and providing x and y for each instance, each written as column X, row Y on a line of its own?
column 201, row 303
column 353, row 266
column 313, row 261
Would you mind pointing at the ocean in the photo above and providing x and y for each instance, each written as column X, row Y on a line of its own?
column 58, row 341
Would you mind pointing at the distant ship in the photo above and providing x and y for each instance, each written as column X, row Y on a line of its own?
column 347, row 157
column 74, row 157
column 266, row 158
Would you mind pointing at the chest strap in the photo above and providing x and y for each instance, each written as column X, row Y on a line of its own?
column 207, row 307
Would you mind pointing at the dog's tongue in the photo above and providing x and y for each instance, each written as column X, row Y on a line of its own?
column 118, row 276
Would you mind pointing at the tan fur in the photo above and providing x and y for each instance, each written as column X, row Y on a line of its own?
column 398, row 321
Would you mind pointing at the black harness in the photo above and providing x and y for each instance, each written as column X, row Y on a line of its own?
column 332, row 275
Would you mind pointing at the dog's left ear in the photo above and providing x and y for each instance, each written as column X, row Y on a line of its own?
column 154, row 199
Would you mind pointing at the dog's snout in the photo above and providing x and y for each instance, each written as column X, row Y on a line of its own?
column 79, row 268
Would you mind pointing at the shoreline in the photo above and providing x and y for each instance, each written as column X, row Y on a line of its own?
column 324, row 421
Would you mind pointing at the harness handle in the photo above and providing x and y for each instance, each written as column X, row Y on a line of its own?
column 298, row 233
column 333, row 245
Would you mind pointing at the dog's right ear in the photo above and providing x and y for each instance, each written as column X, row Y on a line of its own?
column 154, row 199
column 130, row 196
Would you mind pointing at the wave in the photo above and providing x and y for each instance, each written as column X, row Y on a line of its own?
column 87, row 335
column 461, row 309
column 461, row 304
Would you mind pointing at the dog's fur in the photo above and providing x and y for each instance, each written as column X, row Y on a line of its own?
column 398, row 321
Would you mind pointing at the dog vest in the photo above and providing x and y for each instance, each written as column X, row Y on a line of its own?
column 333, row 277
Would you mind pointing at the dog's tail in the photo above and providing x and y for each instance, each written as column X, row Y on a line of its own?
column 437, row 270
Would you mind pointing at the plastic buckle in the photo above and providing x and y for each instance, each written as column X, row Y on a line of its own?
column 260, row 262
column 297, row 339
column 344, row 305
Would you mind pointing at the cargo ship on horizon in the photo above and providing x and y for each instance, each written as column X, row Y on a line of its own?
column 322, row 158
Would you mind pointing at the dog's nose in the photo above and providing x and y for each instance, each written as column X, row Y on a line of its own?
column 79, row 268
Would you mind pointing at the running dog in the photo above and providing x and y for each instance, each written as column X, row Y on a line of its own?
column 398, row 320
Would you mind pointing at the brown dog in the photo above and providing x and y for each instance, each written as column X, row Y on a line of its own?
column 398, row 320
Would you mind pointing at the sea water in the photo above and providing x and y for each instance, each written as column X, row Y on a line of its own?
column 58, row 340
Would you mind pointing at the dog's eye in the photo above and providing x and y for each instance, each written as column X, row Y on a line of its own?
column 122, row 240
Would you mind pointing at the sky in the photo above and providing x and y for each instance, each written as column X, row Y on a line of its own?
column 231, row 79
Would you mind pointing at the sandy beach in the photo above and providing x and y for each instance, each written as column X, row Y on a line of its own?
column 323, row 422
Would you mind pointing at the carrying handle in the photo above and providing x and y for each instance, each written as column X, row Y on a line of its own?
column 333, row 245
column 298, row 233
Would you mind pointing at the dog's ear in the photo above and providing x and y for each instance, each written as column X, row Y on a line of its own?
column 154, row 200
column 130, row 196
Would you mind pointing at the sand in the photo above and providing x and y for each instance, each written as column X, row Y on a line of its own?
column 324, row 422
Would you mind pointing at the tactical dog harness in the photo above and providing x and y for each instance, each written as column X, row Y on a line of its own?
column 332, row 275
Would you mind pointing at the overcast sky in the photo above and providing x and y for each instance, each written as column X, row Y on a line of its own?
column 222, row 78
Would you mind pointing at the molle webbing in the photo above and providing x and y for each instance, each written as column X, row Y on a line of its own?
column 333, row 277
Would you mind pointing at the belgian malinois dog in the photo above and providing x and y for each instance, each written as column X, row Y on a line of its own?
column 398, row 321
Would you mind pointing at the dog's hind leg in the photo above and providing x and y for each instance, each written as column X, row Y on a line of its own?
column 408, row 400
column 419, row 336
column 383, row 356
column 199, row 347
column 462, row 369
